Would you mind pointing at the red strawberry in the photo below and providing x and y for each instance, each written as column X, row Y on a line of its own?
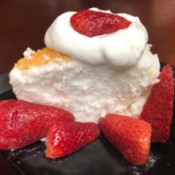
column 158, row 109
column 129, row 135
column 22, row 123
column 67, row 137
column 92, row 23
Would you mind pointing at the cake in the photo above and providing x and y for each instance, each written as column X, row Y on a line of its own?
column 89, row 76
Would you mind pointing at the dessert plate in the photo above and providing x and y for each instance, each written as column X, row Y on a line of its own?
column 97, row 158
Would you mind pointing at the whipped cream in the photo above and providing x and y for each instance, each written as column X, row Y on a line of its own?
column 85, row 84
column 121, row 49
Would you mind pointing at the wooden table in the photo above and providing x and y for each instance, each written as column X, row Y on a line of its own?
column 23, row 23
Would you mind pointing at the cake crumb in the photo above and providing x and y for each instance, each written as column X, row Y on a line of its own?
column 28, row 53
column 46, row 58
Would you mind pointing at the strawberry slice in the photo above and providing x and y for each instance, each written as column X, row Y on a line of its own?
column 23, row 123
column 158, row 109
column 67, row 137
column 92, row 23
column 129, row 135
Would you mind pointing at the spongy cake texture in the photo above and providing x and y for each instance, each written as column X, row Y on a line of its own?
column 89, row 92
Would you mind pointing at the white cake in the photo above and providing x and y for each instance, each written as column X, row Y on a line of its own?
column 89, row 77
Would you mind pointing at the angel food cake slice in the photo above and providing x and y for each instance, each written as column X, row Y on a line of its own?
column 111, row 71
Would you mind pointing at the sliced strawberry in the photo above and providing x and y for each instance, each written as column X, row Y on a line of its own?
column 67, row 137
column 92, row 23
column 129, row 135
column 158, row 109
column 22, row 123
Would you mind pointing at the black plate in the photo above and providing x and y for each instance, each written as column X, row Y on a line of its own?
column 98, row 158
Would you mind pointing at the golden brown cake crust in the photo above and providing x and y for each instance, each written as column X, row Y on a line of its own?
column 39, row 58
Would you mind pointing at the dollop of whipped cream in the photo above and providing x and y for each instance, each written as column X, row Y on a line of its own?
column 120, row 49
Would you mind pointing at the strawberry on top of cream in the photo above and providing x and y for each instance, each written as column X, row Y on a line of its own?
column 121, row 49
column 89, row 76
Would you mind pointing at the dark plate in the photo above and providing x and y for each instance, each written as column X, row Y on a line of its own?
column 98, row 158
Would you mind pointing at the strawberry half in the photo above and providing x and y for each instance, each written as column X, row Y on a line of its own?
column 22, row 123
column 92, row 23
column 158, row 109
column 67, row 137
column 129, row 135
